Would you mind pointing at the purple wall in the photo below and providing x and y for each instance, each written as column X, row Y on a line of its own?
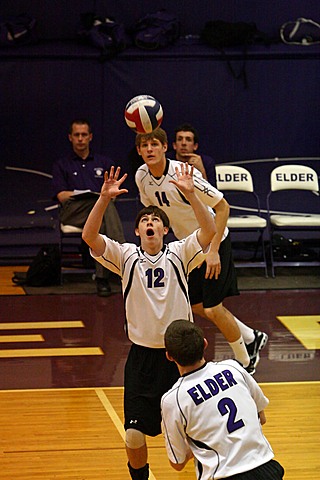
column 43, row 86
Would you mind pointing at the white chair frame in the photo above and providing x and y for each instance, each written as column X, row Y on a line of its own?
column 232, row 178
column 298, row 178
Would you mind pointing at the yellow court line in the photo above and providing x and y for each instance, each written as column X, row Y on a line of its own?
column 51, row 352
column 111, row 411
column 71, row 389
column 21, row 338
column 41, row 325
column 305, row 328
column 308, row 382
column 115, row 418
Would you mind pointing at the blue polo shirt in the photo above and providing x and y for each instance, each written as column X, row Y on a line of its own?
column 71, row 172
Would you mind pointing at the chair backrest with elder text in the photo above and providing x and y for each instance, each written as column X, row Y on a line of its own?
column 289, row 184
column 237, row 184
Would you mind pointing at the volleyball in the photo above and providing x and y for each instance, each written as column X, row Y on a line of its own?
column 143, row 114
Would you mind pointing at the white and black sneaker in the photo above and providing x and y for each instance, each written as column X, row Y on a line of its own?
column 253, row 349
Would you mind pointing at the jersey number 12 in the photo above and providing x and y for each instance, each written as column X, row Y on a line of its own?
column 154, row 277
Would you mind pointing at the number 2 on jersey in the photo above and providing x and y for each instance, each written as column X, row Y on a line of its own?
column 227, row 406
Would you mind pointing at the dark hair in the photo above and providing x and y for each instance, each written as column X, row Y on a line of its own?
column 184, row 342
column 187, row 127
column 158, row 134
column 79, row 121
column 152, row 210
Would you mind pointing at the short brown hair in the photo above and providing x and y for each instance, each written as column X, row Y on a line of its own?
column 152, row 210
column 158, row 134
column 184, row 342
column 187, row 127
column 80, row 121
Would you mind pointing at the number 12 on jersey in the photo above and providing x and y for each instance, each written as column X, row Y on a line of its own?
column 155, row 277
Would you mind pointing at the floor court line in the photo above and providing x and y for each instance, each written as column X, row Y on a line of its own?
column 21, row 338
column 66, row 389
column 41, row 325
column 51, row 352
column 115, row 419
column 305, row 328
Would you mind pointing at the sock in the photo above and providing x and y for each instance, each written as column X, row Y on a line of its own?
column 246, row 332
column 240, row 351
column 139, row 473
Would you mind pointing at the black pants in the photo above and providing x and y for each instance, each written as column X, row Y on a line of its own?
column 271, row 470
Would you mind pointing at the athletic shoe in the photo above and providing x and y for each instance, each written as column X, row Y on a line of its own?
column 253, row 349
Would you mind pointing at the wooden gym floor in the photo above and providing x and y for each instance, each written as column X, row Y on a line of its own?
column 61, row 375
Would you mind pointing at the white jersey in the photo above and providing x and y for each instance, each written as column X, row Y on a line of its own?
column 155, row 287
column 214, row 410
column 160, row 192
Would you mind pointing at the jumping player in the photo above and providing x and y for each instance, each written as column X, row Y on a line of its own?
column 214, row 413
column 216, row 279
column 155, row 290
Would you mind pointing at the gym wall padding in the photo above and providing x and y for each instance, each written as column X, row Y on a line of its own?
column 43, row 86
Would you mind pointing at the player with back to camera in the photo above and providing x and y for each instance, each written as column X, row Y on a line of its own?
column 214, row 413
column 216, row 278
column 155, row 289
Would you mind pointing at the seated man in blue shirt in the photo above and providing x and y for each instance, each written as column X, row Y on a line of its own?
column 83, row 169
column 186, row 146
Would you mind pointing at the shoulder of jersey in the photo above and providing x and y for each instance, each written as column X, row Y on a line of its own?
column 142, row 171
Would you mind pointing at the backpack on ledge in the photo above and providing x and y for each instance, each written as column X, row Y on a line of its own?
column 220, row 35
column 45, row 269
column 302, row 31
column 17, row 30
column 156, row 30
column 104, row 33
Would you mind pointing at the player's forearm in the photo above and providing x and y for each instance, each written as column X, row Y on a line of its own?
column 262, row 417
column 90, row 233
column 204, row 218
column 180, row 466
column 222, row 214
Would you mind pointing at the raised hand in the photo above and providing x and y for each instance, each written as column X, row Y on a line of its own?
column 184, row 178
column 112, row 183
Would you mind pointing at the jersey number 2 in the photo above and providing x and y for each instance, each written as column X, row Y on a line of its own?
column 227, row 406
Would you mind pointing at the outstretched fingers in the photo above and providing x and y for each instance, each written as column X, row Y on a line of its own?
column 113, row 175
column 185, row 169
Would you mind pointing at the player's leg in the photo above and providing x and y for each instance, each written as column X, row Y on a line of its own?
column 227, row 286
column 207, row 298
column 137, row 454
column 136, row 447
column 148, row 375
column 222, row 318
column 226, row 321
column 228, row 326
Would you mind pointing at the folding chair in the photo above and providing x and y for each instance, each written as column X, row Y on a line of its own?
column 237, row 184
column 75, row 256
column 289, row 186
